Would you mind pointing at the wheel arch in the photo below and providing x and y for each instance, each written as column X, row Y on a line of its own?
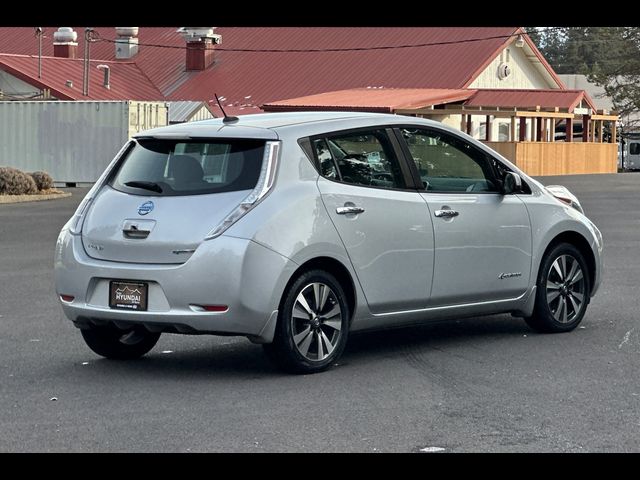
column 335, row 268
column 582, row 244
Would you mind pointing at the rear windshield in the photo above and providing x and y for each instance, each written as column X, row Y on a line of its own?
column 186, row 167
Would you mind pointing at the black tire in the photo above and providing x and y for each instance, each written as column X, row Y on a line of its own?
column 556, row 296
column 116, row 344
column 322, row 328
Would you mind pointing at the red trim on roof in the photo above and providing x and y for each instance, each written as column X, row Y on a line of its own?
column 528, row 98
column 385, row 100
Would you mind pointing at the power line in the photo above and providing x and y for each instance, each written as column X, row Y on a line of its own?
column 97, row 38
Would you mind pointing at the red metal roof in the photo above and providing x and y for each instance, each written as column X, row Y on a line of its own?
column 127, row 81
column 385, row 100
column 389, row 100
column 518, row 98
column 248, row 79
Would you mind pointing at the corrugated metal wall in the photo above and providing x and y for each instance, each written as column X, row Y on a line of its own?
column 72, row 141
column 202, row 114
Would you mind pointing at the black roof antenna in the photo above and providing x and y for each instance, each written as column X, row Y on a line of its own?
column 227, row 119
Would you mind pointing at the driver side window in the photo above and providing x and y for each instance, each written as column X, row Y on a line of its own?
column 363, row 158
column 449, row 164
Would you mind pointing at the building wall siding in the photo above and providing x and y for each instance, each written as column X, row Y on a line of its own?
column 72, row 141
column 11, row 85
column 523, row 73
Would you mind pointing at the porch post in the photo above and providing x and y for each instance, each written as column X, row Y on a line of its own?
column 600, row 131
column 469, row 126
column 569, row 130
column 538, row 129
column 487, row 130
column 585, row 128
column 614, row 138
column 523, row 128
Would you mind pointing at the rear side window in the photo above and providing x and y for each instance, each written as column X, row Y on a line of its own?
column 178, row 167
column 364, row 158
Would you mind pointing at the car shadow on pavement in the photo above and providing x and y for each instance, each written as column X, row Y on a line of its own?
column 437, row 335
column 238, row 358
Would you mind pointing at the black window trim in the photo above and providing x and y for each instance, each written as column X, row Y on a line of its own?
column 133, row 142
column 407, row 177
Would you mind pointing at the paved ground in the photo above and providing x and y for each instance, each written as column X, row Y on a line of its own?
column 486, row 384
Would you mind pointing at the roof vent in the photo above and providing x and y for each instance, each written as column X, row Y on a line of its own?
column 504, row 70
column 126, row 42
column 64, row 43
column 198, row 34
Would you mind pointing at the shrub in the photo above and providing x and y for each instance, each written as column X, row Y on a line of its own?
column 43, row 180
column 16, row 182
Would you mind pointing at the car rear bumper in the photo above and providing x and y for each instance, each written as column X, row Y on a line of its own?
column 238, row 273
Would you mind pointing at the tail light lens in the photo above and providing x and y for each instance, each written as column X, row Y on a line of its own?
column 75, row 225
column 262, row 188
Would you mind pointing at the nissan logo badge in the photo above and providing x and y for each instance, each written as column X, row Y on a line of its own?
column 145, row 208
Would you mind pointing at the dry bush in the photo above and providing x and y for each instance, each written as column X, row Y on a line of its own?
column 43, row 180
column 16, row 182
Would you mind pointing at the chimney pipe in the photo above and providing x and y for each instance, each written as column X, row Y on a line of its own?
column 64, row 43
column 107, row 75
column 200, row 46
column 126, row 42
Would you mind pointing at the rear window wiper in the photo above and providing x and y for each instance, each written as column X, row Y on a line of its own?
column 154, row 187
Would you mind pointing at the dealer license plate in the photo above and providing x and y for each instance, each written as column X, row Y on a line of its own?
column 128, row 295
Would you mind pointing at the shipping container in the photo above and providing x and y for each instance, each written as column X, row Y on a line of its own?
column 73, row 141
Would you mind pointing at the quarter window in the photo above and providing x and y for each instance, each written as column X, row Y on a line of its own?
column 361, row 158
column 446, row 163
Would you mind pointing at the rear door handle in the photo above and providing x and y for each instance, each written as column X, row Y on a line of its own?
column 446, row 213
column 345, row 210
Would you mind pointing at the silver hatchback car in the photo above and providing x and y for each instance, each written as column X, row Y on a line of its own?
column 295, row 229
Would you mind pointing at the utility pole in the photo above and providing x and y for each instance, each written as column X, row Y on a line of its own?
column 87, row 45
column 39, row 33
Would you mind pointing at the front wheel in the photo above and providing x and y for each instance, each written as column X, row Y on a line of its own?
column 313, row 324
column 562, row 292
column 114, row 343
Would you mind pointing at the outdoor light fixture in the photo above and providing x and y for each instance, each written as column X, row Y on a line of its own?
column 520, row 41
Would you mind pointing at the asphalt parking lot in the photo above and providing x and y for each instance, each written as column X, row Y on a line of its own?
column 484, row 384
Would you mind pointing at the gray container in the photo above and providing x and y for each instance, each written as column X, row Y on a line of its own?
column 72, row 141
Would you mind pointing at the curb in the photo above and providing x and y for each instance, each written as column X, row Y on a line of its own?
column 32, row 198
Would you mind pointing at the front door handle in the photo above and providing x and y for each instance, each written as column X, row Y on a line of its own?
column 352, row 209
column 446, row 213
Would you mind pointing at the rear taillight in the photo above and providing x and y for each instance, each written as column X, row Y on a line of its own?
column 67, row 298
column 75, row 225
column 78, row 218
column 262, row 188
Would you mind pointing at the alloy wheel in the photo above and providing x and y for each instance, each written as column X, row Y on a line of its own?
column 565, row 288
column 316, row 321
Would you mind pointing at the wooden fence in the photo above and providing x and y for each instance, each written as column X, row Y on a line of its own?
column 560, row 158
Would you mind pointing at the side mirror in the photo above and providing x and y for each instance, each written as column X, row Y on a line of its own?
column 512, row 183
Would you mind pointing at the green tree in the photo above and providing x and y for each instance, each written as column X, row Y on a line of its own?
column 609, row 56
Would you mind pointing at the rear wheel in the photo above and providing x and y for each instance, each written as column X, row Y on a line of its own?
column 313, row 324
column 114, row 343
column 562, row 292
